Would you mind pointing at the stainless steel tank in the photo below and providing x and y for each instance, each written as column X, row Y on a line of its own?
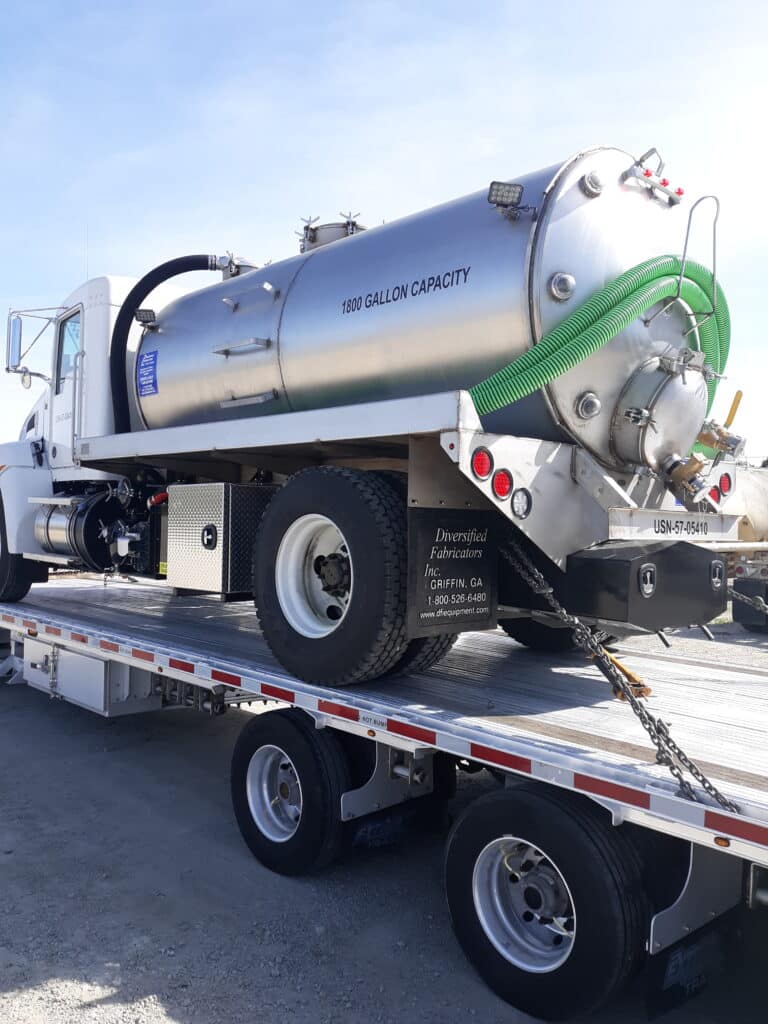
column 437, row 301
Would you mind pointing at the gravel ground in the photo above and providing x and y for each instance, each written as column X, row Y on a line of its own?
column 128, row 896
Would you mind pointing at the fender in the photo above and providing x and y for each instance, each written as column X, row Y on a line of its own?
column 21, row 479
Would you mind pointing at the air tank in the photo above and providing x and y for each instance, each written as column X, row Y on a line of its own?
column 438, row 301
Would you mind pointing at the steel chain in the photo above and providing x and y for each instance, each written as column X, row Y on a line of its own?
column 754, row 602
column 668, row 753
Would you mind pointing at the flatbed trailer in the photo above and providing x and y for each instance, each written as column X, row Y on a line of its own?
column 124, row 647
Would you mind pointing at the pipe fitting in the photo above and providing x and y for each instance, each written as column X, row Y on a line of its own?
column 591, row 184
column 588, row 405
column 562, row 286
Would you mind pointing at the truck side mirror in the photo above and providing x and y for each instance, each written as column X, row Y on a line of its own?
column 13, row 352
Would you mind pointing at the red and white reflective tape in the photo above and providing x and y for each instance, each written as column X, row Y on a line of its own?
column 674, row 810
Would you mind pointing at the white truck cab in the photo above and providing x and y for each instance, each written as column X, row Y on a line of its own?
column 75, row 403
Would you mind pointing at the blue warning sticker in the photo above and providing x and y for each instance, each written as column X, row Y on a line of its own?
column 146, row 374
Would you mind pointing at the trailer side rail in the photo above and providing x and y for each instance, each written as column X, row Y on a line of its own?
column 652, row 802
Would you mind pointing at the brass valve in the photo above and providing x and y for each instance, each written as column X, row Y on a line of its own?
column 712, row 435
column 683, row 472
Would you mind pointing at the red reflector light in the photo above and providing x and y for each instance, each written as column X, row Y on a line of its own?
column 482, row 463
column 714, row 493
column 739, row 570
column 664, row 182
column 647, row 173
column 501, row 484
column 679, row 192
column 726, row 484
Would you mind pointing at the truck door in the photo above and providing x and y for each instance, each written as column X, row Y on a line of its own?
column 68, row 353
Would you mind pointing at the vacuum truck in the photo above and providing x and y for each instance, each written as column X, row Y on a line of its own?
column 358, row 437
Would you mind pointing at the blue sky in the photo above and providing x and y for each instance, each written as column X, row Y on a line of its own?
column 152, row 129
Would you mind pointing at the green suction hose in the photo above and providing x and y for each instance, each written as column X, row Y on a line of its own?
column 604, row 316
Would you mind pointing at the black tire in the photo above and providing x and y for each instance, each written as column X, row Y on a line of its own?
column 16, row 574
column 600, row 868
column 539, row 637
column 423, row 653
column 371, row 516
column 445, row 776
column 323, row 775
column 752, row 627
column 397, row 481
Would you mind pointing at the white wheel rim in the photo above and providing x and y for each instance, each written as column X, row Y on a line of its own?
column 274, row 793
column 314, row 576
column 524, row 905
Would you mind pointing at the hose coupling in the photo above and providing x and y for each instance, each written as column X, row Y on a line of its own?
column 685, row 476
column 712, row 435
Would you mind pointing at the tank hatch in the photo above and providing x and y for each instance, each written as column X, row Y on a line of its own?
column 314, row 235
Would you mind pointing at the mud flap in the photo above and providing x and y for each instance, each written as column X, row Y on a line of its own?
column 452, row 571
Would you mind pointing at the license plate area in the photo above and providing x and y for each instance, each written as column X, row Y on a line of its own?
column 667, row 524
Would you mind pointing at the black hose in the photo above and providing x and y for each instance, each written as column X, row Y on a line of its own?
column 134, row 299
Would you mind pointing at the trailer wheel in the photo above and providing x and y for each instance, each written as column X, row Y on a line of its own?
column 16, row 574
column 423, row 653
column 546, row 900
column 330, row 576
column 287, row 780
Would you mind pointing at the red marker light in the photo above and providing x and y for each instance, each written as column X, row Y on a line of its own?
column 679, row 192
column 501, row 485
column 664, row 182
column 726, row 484
column 739, row 570
column 482, row 463
column 714, row 493
column 647, row 173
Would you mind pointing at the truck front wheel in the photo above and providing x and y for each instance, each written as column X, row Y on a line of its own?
column 330, row 576
column 546, row 900
column 16, row 574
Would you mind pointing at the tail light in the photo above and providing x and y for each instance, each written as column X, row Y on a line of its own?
column 714, row 493
column 726, row 483
column 482, row 463
column 501, row 485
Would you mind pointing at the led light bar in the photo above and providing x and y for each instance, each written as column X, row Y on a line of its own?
column 505, row 195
